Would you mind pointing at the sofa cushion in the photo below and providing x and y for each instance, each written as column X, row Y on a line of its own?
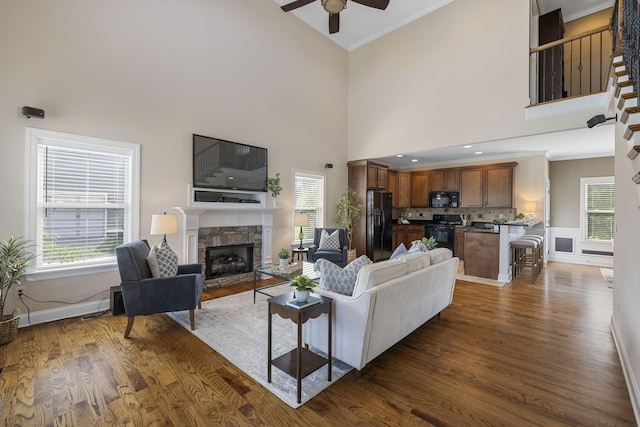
column 417, row 246
column 398, row 252
column 329, row 242
column 416, row 261
column 341, row 280
column 438, row 255
column 163, row 262
column 377, row 273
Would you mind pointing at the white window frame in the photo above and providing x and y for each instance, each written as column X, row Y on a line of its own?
column 321, row 209
column 588, row 243
column 36, row 137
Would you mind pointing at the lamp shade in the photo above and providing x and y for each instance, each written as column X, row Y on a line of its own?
column 301, row 220
column 164, row 224
column 530, row 207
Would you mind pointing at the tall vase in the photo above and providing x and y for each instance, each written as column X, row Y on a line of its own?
column 274, row 202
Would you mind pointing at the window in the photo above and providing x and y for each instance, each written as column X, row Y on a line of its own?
column 309, row 199
column 82, row 200
column 597, row 197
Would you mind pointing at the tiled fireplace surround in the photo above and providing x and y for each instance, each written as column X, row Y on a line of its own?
column 204, row 227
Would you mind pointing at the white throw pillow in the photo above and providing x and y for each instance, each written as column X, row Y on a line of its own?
column 163, row 262
column 400, row 250
column 329, row 242
column 417, row 246
column 340, row 280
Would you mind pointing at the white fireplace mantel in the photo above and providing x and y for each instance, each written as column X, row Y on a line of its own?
column 194, row 218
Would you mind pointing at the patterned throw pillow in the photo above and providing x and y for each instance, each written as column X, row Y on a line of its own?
column 163, row 262
column 417, row 246
column 340, row 280
column 400, row 250
column 329, row 242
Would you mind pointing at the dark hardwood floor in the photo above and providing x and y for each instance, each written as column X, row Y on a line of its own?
column 526, row 354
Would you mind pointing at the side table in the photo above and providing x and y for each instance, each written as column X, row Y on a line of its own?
column 299, row 362
column 302, row 253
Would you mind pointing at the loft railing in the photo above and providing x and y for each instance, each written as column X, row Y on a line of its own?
column 625, row 26
column 572, row 66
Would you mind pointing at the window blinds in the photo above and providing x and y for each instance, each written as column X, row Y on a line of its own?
column 599, row 207
column 308, row 199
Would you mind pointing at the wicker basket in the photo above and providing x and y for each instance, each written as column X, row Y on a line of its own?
column 9, row 326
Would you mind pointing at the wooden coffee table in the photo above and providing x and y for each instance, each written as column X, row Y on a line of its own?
column 299, row 362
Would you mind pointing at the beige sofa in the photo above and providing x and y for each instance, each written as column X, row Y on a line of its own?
column 390, row 300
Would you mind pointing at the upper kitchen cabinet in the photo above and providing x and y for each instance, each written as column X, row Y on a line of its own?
column 445, row 180
column 499, row 185
column 489, row 186
column 377, row 176
column 471, row 187
column 392, row 180
column 420, row 183
column 404, row 190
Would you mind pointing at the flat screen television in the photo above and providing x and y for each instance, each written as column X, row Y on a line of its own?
column 228, row 165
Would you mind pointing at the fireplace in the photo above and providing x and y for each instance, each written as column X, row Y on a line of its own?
column 228, row 260
column 229, row 254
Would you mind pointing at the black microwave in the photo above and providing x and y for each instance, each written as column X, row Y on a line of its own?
column 443, row 199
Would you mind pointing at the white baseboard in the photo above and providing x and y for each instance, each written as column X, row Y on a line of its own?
column 69, row 311
column 627, row 369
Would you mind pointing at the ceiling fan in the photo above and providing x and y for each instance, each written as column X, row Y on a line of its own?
column 334, row 7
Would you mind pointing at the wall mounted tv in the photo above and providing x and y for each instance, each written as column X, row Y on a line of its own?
column 228, row 165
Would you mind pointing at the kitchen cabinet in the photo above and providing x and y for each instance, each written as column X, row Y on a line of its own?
column 404, row 190
column 499, row 186
column 392, row 180
column 489, row 186
column 445, row 180
column 420, row 183
column 458, row 242
column 406, row 233
column 471, row 187
column 485, row 247
column 377, row 177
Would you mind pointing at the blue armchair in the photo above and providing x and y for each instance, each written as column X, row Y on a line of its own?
column 143, row 294
column 337, row 256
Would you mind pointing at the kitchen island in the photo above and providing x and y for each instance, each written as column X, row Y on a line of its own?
column 482, row 253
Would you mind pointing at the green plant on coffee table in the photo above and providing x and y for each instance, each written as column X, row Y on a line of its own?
column 430, row 243
column 302, row 283
column 284, row 253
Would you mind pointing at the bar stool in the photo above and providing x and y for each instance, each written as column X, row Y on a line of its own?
column 521, row 258
column 540, row 249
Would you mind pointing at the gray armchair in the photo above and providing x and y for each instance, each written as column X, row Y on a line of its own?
column 143, row 294
column 338, row 257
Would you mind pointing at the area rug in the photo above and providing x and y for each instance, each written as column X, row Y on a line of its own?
column 236, row 328
column 607, row 275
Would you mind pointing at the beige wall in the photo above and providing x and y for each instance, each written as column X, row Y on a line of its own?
column 153, row 73
column 458, row 75
column 565, row 187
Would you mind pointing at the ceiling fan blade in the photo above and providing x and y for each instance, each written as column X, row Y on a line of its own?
column 296, row 4
column 378, row 4
column 334, row 23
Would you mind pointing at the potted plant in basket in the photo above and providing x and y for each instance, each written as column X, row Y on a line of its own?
column 14, row 258
column 348, row 211
column 273, row 184
column 284, row 256
column 303, row 285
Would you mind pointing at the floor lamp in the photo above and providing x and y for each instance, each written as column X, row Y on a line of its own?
column 301, row 220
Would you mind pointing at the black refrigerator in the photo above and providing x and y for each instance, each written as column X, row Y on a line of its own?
column 379, row 224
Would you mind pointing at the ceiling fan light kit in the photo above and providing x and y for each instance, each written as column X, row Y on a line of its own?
column 334, row 7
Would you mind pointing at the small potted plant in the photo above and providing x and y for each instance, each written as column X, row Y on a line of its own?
column 14, row 257
column 273, row 184
column 284, row 256
column 430, row 243
column 348, row 211
column 303, row 285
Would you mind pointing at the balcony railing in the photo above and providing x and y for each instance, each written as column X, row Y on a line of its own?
column 572, row 66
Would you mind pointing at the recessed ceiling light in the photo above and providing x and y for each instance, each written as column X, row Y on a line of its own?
column 478, row 152
column 467, row 146
column 399, row 155
column 414, row 160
